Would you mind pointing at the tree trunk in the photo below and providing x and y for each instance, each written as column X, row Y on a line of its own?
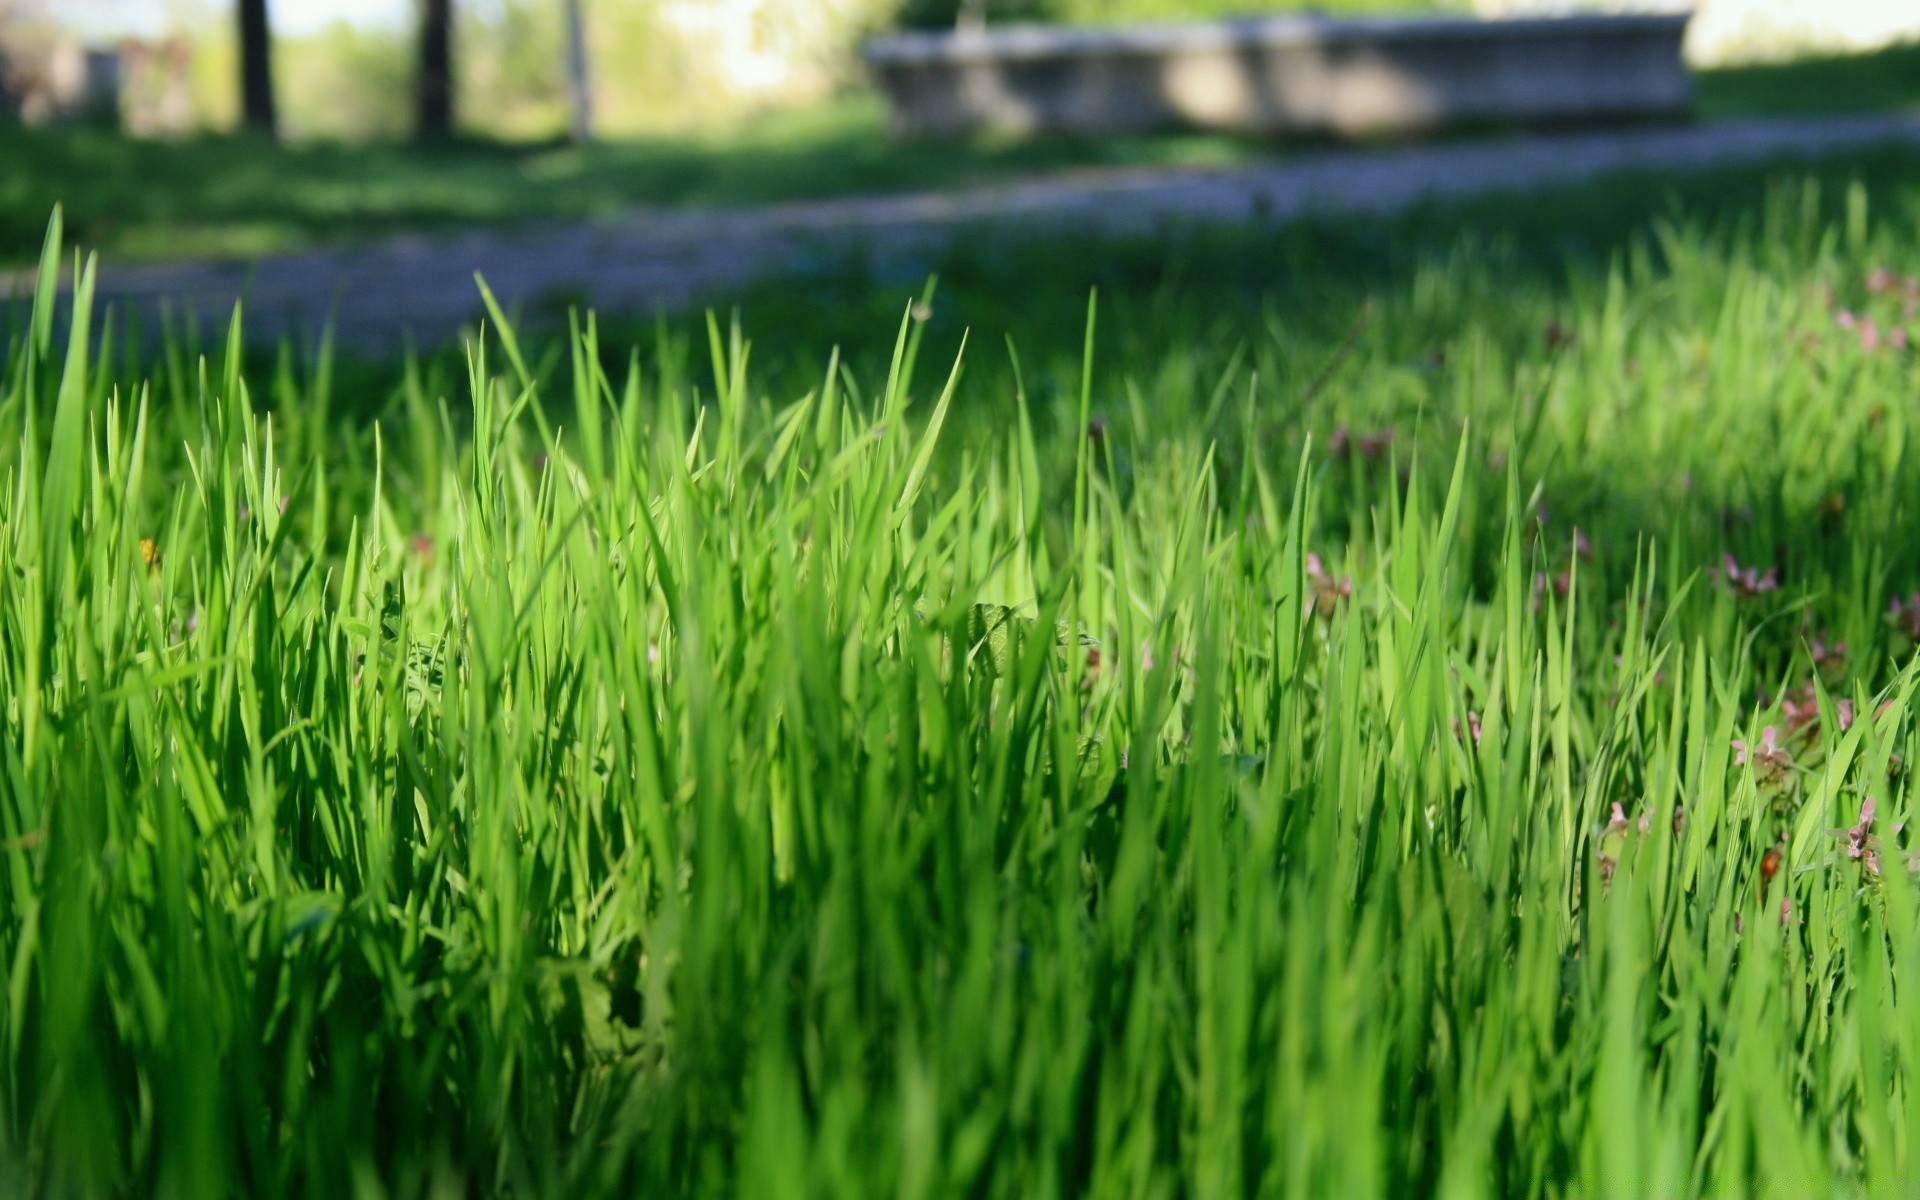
column 256, row 69
column 579, row 79
column 434, row 84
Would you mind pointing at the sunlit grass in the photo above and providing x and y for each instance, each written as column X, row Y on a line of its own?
column 1305, row 765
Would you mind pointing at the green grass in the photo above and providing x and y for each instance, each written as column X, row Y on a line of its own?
column 678, row 772
column 1885, row 80
column 235, row 197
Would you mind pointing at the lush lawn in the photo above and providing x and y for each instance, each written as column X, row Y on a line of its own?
column 1439, row 727
column 223, row 196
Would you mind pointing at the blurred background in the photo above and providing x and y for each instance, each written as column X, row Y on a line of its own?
column 345, row 70
column 231, row 129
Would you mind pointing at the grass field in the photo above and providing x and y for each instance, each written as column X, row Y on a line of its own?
column 223, row 196
column 1441, row 731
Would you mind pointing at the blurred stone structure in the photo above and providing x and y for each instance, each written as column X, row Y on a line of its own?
column 1287, row 75
column 141, row 87
column 61, row 83
column 156, row 99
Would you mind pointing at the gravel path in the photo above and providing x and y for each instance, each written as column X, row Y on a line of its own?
column 421, row 286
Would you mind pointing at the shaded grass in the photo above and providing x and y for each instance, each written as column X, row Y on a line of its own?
column 1881, row 81
column 236, row 197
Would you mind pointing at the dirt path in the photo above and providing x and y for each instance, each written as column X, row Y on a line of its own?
column 421, row 286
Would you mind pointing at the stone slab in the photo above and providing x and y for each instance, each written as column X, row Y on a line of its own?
column 1291, row 75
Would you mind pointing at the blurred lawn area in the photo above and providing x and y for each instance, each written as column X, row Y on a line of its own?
column 227, row 196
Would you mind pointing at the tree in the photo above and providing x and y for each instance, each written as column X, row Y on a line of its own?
column 256, row 69
column 434, row 82
column 579, row 81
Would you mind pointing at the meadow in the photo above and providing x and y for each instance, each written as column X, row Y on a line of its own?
column 1435, row 729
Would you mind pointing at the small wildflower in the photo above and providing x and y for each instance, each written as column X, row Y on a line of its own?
column 1561, row 585
column 922, row 311
column 1338, row 440
column 1581, row 546
column 1472, row 729
column 1767, row 757
column 1748, row 582
column 1093, row 669
column 1146, row 658
column 1862, row 846
column 1374, row 445
column 1799, row 713
column 1328, row 591
column 150, row 553
column 1905, row 615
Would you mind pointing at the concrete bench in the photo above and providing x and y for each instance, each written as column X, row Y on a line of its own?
column 1286, row 75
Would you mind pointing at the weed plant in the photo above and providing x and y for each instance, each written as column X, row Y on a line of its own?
column 1322, row 767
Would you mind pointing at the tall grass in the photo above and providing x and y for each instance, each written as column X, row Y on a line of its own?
column 611, row 778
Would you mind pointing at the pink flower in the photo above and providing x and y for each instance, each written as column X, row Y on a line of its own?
column 1749, row 582
column 1581, row 546
column 1374, row 445
column 1328, row 591
column 1862, row 846
column 1473, row 727
column 1768, row 758
column 1799, row 714
column 1561, row 584
column 1905, row 615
